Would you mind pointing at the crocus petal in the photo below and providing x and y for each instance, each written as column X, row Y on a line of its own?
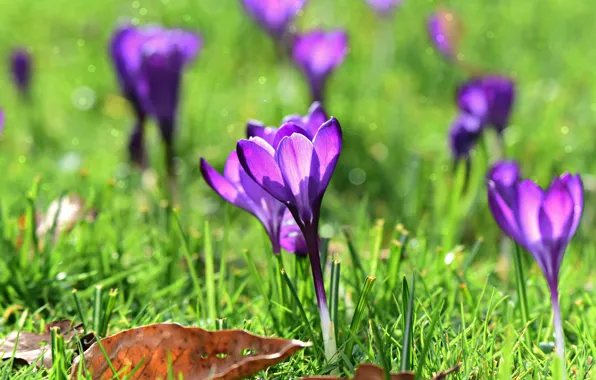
column 256, row 157
column 273, row 15
column 319, row 52
column 232, row 168
column 312, row 121
column 327, row 143
column 463, row 134
column 505, row 175
column 257, row 129
column 576, row 190
column 530, row 201
column 291, row 238
column 445, row 32
column 299, row 166
column 556, row 214
column 287, row 130
column 383, row 6
column 1, row 120
column 472, row 98
column 503, row 214
column 224, row 187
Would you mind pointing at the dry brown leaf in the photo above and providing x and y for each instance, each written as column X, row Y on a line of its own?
column 368, row 371
column 193, row 352
column 30, row 347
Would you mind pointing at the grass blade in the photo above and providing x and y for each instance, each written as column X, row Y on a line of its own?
column 408, row 324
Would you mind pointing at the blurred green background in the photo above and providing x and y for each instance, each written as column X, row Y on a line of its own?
column 393, row 97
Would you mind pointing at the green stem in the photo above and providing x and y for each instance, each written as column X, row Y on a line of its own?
column 521, row 290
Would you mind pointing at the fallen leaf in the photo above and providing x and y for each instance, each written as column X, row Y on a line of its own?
column 193, row 353
column 30, row 347
column 368, row 371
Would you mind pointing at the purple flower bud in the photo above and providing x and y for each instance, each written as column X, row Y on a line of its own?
column 21, row 69
column 445, row 32
column 1, row 120
column 297, row 173
column 384, row 7
column 274, row 16
column 317, row 53
column 489, row 98
column 463, row 135
column 149, row 63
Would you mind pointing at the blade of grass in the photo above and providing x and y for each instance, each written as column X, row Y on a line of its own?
column 408, row 324
column 428, row 338
column 358, row 314
column 521, row 290
column 209, row 274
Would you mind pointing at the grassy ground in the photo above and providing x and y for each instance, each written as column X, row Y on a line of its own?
column 393, row 98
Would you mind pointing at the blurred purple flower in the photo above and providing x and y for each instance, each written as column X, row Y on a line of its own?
column 236, row 187
column 1, row 120
column 541, row 221
column 384, row 7
column 307, row 125
column 463, row 135
column 21, row 69
column 274, row 16
column 149, row 63
column 297, row 173
column 445, row 32
column 489, row 98
column 317, row 53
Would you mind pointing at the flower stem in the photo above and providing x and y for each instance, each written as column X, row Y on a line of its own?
column 558, row 322
column 312, row 242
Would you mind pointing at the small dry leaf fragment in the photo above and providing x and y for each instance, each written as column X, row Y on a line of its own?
column 367, row 371
column 193, row 353
column 66, row 212
column 444, row 374
column 30, row 347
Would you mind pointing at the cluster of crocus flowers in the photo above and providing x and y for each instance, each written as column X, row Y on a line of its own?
column 485, row 101
column 384, row 7
column 541, row 221
column 21, row 70
column 280, row 175
column 149, row 63
column 238, row 188
column 318, row 53
column 274, row 16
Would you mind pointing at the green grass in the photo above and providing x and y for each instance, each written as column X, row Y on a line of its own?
column 394, row 99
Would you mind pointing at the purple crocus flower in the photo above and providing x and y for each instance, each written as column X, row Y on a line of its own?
column 149, row 63
column 445, row 32
column 489, row 98
column 384, row 7
column 307, row 125
column 542, row 221
column 21, row 69
column 317, row 53
column 236, row 187
column 297, row 173
column 274, row 16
